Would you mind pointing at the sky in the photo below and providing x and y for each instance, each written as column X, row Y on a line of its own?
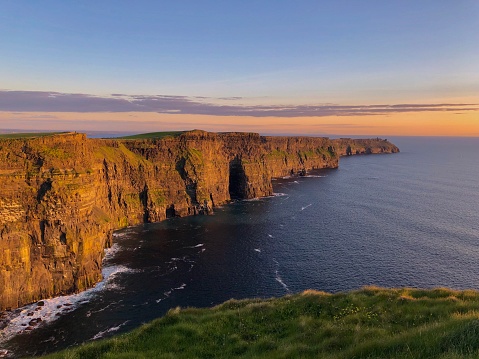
column 336, row 67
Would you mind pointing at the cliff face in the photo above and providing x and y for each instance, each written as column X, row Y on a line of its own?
column 349, row 147
column 61, row 196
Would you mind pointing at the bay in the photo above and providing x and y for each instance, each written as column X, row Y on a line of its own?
column 404, row 220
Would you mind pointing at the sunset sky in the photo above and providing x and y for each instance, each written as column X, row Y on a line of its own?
column 335, row 67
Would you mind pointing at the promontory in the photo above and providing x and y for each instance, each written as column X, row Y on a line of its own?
column 62, row 195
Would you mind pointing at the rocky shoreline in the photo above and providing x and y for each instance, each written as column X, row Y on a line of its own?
column 61, row 196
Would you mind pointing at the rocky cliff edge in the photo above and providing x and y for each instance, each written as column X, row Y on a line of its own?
column 61, row 196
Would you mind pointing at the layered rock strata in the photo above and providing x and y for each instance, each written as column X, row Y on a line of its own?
column 61, row 196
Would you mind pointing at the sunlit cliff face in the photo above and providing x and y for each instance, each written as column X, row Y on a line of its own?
column 62, row 195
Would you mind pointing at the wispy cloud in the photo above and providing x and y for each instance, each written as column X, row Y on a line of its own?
column 39, row 101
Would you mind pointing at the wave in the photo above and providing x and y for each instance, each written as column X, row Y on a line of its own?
column 111, row 252
column 278, row 278
column 101, row 334
column 90, row 312
column 197, row 246
column 125, row 232
column 32, row 316
column 256, row 199
column 167, row 294
column 173, row 262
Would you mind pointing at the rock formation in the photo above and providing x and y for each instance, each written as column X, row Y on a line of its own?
column 61, row 196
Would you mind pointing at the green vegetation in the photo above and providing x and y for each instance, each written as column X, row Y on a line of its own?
column 325, row 152
column 278, row 153
column 118, row 153
column 152, row 135
column 131, row 200
column 194, row 155
column 158, row 197
column 28, row 134
column 369, row 323
column 55, row 152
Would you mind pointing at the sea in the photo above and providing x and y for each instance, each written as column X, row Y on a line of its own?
column 409, row 219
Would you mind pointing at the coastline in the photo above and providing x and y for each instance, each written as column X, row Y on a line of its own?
column 63, row 195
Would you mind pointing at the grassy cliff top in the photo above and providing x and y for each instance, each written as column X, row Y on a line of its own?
column 152, row 135
column 29, row 134
column 369, row 323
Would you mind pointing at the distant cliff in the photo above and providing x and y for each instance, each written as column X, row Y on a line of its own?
column 61, row 196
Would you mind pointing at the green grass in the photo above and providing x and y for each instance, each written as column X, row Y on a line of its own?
column 158, row 197
column 369, row 323
column 28, row 134
column 152, row 135
column 118, row 153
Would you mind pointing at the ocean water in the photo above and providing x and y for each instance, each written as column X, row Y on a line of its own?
column 398, row 220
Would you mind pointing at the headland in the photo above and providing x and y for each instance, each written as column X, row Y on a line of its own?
column 62, row 195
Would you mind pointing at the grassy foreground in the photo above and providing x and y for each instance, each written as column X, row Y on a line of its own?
column 369, row 323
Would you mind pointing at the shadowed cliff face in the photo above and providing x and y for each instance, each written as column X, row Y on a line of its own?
column 61, row 196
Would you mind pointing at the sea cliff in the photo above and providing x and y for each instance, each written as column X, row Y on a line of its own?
column 61, row 196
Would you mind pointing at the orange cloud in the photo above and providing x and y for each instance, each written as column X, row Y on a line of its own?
column 423, row 123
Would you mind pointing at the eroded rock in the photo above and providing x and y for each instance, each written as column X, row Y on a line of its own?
column 61, row 196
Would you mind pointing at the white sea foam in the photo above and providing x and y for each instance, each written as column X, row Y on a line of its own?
column 309, row 205
column 280, row 281
column 279, row 194
column 123, row 233
column 109, row 274
column 278, row 277
column 109, row 330
column 168, row 293
column 270, row 236
column 314, row 176
column 197, row 246
column 53, row 308
column 111, row 252
column 256, row 199
column 90, row 312
column 257, row 250
column 119, row 235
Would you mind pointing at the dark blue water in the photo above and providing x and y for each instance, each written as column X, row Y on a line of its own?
column 408, row 219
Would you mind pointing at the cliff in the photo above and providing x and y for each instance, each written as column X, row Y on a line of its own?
column 61, row 196
column 349, row 147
